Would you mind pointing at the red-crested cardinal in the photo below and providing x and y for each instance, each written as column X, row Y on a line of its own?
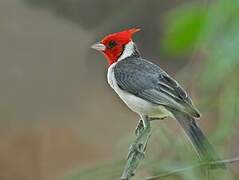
column 149, row 91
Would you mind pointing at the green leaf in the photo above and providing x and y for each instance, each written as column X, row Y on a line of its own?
column 183, row 28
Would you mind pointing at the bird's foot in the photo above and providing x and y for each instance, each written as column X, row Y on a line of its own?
column 157, row 118
column 140, row 126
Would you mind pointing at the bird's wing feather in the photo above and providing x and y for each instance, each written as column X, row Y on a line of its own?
column 148, row 81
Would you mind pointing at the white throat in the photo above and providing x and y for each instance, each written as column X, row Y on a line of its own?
column 128, row 50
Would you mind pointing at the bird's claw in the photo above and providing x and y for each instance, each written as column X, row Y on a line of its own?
column 140, row 127
column 157, row 118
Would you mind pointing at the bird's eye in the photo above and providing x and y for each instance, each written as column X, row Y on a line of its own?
column 112, row 44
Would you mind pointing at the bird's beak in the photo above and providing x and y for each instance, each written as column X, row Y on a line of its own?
column 98, row 46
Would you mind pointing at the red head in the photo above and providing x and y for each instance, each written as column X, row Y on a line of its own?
column 112, row 45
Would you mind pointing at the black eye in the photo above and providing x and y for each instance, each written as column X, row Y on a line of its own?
column 112, row 44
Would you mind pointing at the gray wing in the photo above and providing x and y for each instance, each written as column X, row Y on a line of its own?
column 148, row 81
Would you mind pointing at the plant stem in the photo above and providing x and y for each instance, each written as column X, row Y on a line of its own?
column 178, row 171
column 137, row 150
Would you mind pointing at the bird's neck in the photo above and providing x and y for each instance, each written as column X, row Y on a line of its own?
column 130, row 50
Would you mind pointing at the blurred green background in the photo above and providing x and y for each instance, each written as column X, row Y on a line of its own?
column 61, row 120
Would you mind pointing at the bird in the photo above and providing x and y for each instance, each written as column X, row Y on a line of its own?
column 150, row 92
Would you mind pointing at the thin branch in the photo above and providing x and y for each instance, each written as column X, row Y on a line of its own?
column 137, row 150
column 178, row 171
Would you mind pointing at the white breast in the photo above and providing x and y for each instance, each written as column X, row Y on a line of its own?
column 136, row 104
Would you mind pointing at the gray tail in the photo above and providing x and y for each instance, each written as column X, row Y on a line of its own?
column 204, row 149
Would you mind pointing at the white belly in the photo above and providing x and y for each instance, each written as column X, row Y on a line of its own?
column 136, row 104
